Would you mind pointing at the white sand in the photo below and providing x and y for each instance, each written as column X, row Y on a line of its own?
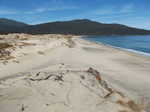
column 21, row 90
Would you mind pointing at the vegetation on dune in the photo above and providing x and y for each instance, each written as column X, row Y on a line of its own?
column 4, row 46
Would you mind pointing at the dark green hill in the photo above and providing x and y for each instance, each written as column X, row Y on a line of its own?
column 8, row 26
column 77, row 27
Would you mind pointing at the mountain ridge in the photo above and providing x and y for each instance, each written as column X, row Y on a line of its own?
column 76, row 27
column 10, row 26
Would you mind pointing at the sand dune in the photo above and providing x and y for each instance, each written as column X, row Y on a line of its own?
column 58, row 73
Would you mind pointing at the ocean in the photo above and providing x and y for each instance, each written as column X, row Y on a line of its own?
column 138, row 44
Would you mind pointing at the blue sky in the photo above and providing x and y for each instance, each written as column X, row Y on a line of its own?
column 129, row 12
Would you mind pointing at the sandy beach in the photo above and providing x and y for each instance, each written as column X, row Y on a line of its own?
column 51, row 73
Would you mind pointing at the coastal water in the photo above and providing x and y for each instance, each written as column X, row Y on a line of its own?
column 139, row 44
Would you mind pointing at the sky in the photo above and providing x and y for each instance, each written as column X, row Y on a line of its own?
column 135, row 13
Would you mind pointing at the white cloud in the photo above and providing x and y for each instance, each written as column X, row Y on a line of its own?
column 43, row 9
column 40, row 10
column 110, row 10
column 4, row 11
column 104, row 10
column 127, row 8
column 8, row 11
column 56, row 8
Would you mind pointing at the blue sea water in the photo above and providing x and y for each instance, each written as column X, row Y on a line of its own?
column 139, row 44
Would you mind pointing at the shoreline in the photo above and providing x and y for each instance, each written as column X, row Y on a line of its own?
column 132, row 51
column 125, row 49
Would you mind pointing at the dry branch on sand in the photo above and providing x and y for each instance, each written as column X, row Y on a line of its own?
column 5, row 46
column 4, row 52
column 130, row 104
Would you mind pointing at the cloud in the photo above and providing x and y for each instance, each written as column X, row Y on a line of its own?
column 127, row 8
column 104, row 10
column 6, row 12
column 43, row 9
column 53, row 5
column 55, row 8
column 112, row 10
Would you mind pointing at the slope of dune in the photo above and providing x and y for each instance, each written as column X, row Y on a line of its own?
column 63, row 74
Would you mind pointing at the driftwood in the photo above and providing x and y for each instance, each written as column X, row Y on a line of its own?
column 103, row 83
column 56, row 77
